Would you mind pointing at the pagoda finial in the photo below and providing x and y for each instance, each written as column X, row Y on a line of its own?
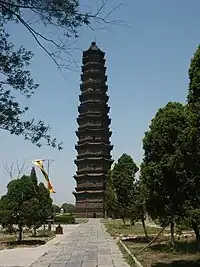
column 93, row 46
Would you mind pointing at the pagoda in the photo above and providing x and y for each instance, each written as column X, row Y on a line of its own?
column 93, row 147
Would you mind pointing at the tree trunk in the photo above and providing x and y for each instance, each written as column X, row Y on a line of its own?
column 20, row 233
column 124, row 221
column 172, row 233
column 148, row 245
column 132, row 222
column 196, row 231
column 44, row 227
column 34, row 230
column 144, row 227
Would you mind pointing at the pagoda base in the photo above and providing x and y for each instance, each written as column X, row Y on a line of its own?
column 89, row 209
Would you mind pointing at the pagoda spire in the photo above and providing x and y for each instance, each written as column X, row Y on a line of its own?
column 93, row 160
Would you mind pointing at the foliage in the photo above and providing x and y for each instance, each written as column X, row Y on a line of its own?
column 45, row 201
column 65, row 19
column 33, row 177
column 123, row 177
column 110, row 198
column 65, row 219
column 15, row 205
column 162, row 165
column 68, row 208
column 55, row 208
column 24, row 204
column 16, row 77
column 190, row 148
column 138, row 205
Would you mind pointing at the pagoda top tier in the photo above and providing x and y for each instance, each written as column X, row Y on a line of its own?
column 93, row 49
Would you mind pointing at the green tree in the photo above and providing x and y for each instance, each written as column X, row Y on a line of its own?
column 15, row 76
column 68, row 208
column 45, row 207
column 55, row 208
column 15, row 205
column 190, row 148
column 138, row 207
column 64, row 18
column 162, row 164
column 33, row 177
column 110, row 198
column 123, row 177
column 25, row 204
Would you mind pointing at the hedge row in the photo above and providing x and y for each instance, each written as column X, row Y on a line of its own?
column 65, row 219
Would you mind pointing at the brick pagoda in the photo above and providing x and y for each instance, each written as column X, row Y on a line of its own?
column 94, row 149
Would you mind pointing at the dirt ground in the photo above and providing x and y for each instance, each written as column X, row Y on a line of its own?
column 161, row 253
column 11, row 240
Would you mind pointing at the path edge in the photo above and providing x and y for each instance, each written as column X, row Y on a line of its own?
column 137, row 263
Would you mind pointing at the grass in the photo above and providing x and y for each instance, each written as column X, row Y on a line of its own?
column 117, row 228
column 127, row 257
column 160, row 253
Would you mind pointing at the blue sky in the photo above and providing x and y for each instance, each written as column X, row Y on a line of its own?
column 147, row 67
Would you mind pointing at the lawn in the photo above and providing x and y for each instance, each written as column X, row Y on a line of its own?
column 117, row 228
column 160, row 253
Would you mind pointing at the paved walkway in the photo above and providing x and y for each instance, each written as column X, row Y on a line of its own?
column 88, row 246
column 24, row 257
column 84, row 245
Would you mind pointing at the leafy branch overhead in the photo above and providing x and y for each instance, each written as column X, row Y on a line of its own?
column 15, row 76
column 64, row 18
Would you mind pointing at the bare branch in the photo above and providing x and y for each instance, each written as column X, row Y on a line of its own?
column 20, row 169
column 12, row 171
column 9, row 170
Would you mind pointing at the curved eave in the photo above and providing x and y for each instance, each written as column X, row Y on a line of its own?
column 93, row 158
column 88, row 175
column 89, row 192
column 91, row 130
column 81, row 120
column 93, row 144
column 85, row 87
column 95, row 76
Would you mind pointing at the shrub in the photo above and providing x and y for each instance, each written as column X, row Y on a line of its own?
column 65, row 219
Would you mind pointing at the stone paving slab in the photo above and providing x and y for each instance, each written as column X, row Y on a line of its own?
column 88, row 246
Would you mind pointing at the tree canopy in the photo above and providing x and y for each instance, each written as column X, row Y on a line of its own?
column 123, row 178
column 110, row 198
column 190, row 148
column 68, row 207
column 162, row 163
column 25, row 204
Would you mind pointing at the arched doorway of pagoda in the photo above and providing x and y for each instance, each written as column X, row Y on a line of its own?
column 94, row 215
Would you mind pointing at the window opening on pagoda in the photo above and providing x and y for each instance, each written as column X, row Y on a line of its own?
column 93, row 137
column 94, row 166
